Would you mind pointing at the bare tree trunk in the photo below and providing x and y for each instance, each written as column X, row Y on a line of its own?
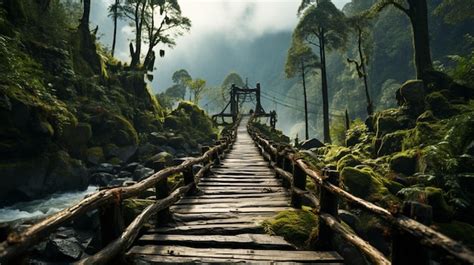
column 117, row 2
column 324, row 87
column 418, row 13
column 370, row 107
column 305, row 101
column 86, row 14
column 139, row 17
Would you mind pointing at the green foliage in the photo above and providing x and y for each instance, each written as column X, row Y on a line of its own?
column 181, row 77
column 338, row 130
column 197, row 86
column 300, row 58
column 455, row 11
column 463, row 72
column 295, row 226
column 133, row 207
column 270, row 133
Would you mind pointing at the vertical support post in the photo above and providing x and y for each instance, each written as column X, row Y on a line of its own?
column 405, row 248
column 162, row 190
column 288, row 167
column 258, row 107
column 111, row 221
column 216, row 159
column 188, row 176
column 328, row 204
column 299, row 181
column 233, row 103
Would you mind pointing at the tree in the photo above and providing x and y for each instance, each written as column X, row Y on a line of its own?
column 301, row 60
column 163, row 27
column 455, row 11
column 358, row 24
column 114, row 12
column 176, row 91
column 86, row 14
column 197, row 86
column 417, row 12
column 181, row 77
column 322, row 25
column 162, row 21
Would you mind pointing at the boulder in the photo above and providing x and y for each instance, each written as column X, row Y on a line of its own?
column 142, row 172
column 124, row 174
column 101, row 179
column 131, row 167
column 311, row 143
column 391, row 143
column 162, row 157
column 347, row 161
column 63, row 250
column 404, row 162
column 95, row 155
column 66, row 173
column 103, row 167
column 412, row 95
column 349, row 218
column 426, row 116
column 125, row 153
column 439, row 105
column 364, row 183
column 157, row 138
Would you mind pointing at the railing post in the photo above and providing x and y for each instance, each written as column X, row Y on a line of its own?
column 328, row 203
column 188, row 176
column 299, row 181
column 111, row 221
column 406, row 249
column 162, row 191
column 288, row 167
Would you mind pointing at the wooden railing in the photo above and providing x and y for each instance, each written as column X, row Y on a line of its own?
column 109, row 202
column 411, row 238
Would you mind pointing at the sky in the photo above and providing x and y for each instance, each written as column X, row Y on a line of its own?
column 216, row 24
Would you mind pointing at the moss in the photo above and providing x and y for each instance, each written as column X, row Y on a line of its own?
column 349, row 160
column 460, row 231
column 442, row 211
column 95, row 155
column 294, row 225
column 334, row 153
column 270, row 133
column 404, row 162
column 115, row 161
column 133, row 207
column 438, row 104
column 364, row 183
column 391, row 143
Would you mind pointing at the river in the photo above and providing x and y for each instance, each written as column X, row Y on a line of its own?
column 41, row 207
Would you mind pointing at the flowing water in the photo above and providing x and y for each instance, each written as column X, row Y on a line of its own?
column 41, row 207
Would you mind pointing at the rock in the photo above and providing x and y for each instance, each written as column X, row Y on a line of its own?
column 102, row 179
column 364, row 183
column 147, row 150
column 131, row 167
column 412, row 95
column 157, row 138
column 176, row 142
column 142, row 172
column 75, row 137
column 311, row 143
column 442, row 212
column 391, row 143
column 66, row 173
column 124, row 153
column 103, row 167
column 129, row 183
column 124, row 174
column 95, row 155
column 391, row 120
column 438, row 104
column 404, row 162
column 87, row 221
column 162, row 157
column 63, row 250
column 349, row 218
column 347, row 161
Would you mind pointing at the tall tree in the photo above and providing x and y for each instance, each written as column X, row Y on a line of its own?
column 134, row 10
column 417, row 12
column 163, row 22
column 231, row 78
column 114, row 9
column 181, row 76
column 322, row 25
column 197, row 86
column 301, row 60
column 455, row 11
column 359, row 25
column 86, row 14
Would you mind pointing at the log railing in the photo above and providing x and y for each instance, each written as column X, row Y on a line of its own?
column 411, row 239
column 115, row 239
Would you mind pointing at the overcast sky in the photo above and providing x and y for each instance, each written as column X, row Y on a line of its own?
column 233, row 22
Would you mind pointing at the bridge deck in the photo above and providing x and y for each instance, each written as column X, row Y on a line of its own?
column 221, row 224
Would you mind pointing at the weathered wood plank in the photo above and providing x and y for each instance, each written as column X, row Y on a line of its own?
column 235, row 204
column 246, row 254
column 211, row 229
column 256, row 241
column 181, row 209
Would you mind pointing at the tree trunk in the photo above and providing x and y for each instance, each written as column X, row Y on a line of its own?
column 115, row 26
column 305, row 102
column 370, row 108
column 324, row 87
column 418, row 13
column 86, row 14
column 139, row 17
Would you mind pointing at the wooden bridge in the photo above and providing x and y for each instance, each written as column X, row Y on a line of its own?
column 214, row 216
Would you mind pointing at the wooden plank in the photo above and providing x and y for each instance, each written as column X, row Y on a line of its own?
column 210, row 229
column 198, row 200
column 181, row 209
column 240, row 180
column 244, row 185
column 158, row 259
column 235, row 204
column 257, row 241
column 249, row 219
column 246, row 254
column 280, row 194
column 195, row 217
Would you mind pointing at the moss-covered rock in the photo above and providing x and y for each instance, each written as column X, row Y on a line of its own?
column 391, row 143
column 334, row 153
column 442, row 211
column 426, row 116
column 404, row 162
column 438, row 104
column 349, row 160
column 133, row 207
column 364, row 183
column 95, row 155
column 294, row 225
column 412, row 95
